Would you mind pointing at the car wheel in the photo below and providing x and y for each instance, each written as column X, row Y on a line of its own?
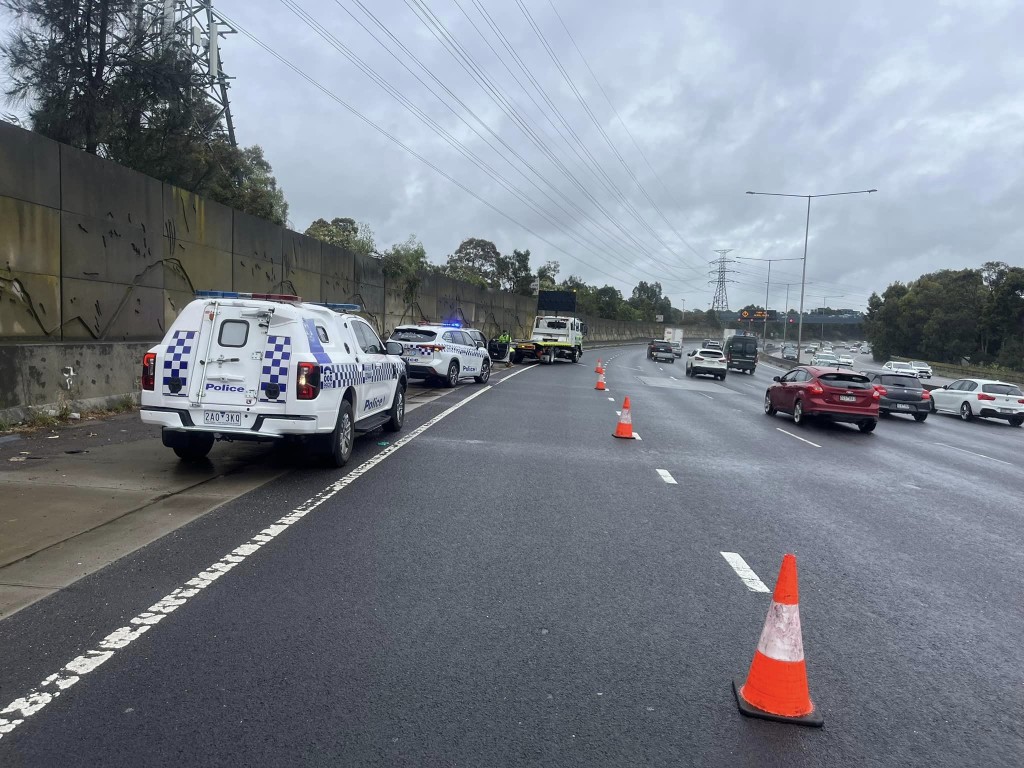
column 965, row 412
column 397, row 411
column 576, row 355
column 883, row 414
column 867, row 426
column 517, row 358
column 343, row 436
column 769, row 409
column 931, row 406
column 920, row 416
column 1016, row 421
column 798, row 413
column 485, row 373
column 453, row 375
column 198, row 445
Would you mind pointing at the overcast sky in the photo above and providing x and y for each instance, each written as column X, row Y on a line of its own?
column 921, row 100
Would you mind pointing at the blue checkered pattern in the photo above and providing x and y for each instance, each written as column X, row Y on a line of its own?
column 340, row 375
column 276, row 360
column 177, row 357
column 380, row 372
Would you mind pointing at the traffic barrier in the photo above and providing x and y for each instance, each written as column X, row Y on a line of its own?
column 624, row 428
column 599, row 368
column 600, row 383
column 776, row 686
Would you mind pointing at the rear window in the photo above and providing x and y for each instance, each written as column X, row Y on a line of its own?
column 1001, row 389
column 233, row 333
column 710, row 353
column 542, row 323
column 413, row 334
column 663, row 346
column 745, row 346
column 910, row 382
column 845, row 380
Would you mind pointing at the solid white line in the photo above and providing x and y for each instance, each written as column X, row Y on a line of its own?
column 797, row 437
column 744, row 571
column 666, row 476
column 979, row 455
column 522, row 370
column 54, row 685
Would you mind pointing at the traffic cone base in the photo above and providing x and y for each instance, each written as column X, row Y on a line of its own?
column 624, row 429
column 776, row 685
column 812, row 719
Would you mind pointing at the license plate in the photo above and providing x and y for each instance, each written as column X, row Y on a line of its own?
column 223, row 418
column 903, row 406
column 411, row 359
column 848, row 398
column 1006, row 410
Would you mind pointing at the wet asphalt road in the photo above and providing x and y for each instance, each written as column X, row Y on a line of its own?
column 515, row 587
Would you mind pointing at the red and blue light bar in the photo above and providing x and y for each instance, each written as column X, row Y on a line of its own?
column 236, row 295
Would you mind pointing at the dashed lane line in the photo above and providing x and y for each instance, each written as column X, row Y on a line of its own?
column 744, row 571
column 667, row 476
column 802, row 440
column 15, row 713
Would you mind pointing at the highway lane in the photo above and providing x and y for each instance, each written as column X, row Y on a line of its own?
column 516, row 587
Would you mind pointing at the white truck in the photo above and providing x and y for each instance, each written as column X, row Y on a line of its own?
column 553, row 337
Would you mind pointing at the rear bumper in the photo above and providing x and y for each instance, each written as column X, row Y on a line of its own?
column 264, row 427
column 835, row 412
column 743, row 365
column 425, row 370
column 663, row 356
column 901, row 406
column 990, row 413
column 697, row 369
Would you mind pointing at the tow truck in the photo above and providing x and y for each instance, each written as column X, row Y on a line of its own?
column 554, row 337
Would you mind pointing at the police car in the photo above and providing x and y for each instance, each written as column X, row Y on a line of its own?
column 252, row 366
column 443, row 352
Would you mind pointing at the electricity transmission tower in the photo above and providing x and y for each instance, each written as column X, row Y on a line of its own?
column 194, row 30
column 721, row 273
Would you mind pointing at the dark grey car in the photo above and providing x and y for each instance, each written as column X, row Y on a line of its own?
column 903, row 394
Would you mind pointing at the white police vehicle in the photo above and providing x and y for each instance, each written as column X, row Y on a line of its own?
column 442, row 351
column 252, row 366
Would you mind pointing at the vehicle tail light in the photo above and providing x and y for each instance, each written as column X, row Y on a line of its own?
column 880, row 391
column 1021, row 401
column 307, row 381
column 986, row 396
column 926, row 395
column 815, row 388
column 149, row 371
column 698, row 357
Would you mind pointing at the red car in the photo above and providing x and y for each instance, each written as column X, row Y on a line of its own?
column 836, row 394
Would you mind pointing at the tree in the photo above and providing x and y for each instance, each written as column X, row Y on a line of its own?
column 475, row 261
column 513, row 273
column 344, row 233
column 546, row 275
column 404, row 262
column 94, row 75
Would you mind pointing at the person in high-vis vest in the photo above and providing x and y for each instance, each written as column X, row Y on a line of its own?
column 506, row 339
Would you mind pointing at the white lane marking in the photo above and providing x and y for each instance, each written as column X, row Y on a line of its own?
column 744, row 571
column 673, row 378
column 666, row 476
column 709, row 397
column 979, row 455
column 797, row 437
column 618, row 413
column 15, row 713
column 521, row 370
column 612, row 399
column 636, row 436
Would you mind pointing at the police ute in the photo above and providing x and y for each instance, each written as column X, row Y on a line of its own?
column 260, row 366
column 442, row 352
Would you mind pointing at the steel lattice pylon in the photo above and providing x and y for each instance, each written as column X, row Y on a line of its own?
column 721, row 273
column 195, row 29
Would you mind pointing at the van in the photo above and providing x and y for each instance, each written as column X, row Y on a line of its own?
column 741, row 353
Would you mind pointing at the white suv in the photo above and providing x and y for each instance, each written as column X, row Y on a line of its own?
column 924, row 371
column 442, row 352
column 244, row 366
column 709, row 361
column 897, row 366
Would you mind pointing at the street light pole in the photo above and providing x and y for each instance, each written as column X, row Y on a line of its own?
column 807, row 230
column 768, row 288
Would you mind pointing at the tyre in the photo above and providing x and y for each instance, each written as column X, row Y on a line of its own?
column 672, row 361
column 343, row 436
column 965, row 412
column 867, row 426
column 882, row 414
column 769, row 409
column 1016, row 421
column 577, row 353
column 932, row 407
column 920, row 416
column 198, row 445
column 798, row 413
column 397, row 411
column 453, row 375
column 517, row 358
column 485, row 373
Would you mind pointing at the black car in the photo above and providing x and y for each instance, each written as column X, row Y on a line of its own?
column 901, row 394
column 662, row 350
column 789, row 353
column 741, row 353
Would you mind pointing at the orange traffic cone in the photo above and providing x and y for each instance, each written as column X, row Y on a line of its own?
column 599, row 368
column 600, row 383
column 624, row 429
column 776, row 686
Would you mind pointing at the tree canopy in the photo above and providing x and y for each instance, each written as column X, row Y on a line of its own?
column 345, row 233
column 93, row 74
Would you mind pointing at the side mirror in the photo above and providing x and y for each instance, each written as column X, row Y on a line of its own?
column 776, row 378
column 945, row 386
column 394, row 348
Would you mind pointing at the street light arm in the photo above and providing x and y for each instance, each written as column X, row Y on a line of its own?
column 827, row 194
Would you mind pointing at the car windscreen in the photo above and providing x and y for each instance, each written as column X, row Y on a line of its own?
column 1001, row 389
column 413, row 334
column 713, row 353
column 910, row 382
column 847, row 380
column 745, row 346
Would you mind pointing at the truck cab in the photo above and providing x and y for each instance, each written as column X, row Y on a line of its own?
column 553, row 337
